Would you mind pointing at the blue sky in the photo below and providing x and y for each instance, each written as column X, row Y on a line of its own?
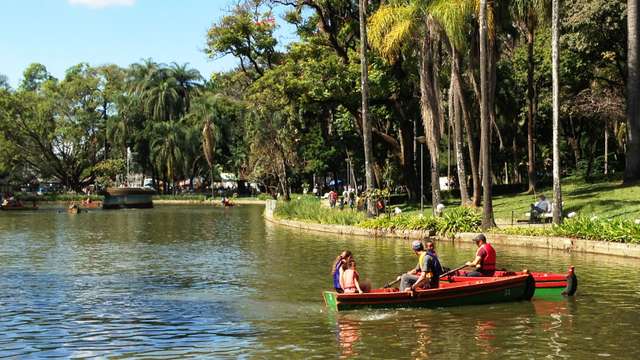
column 61, row 33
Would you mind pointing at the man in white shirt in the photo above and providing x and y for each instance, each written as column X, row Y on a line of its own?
column 543, row 206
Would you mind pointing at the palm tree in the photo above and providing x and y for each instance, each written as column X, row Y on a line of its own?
column 485, row 125
column 366, row 124
column 632, row 168
column 162, row 99
column 527, row 14
column 189, row 81
column 555, row 63
column 453, row 16
column 204, row 113
column 166, row 147
column 392, row 27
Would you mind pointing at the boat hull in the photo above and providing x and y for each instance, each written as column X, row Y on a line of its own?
column 18, row 208
column 481, row 291
column 123, row 198
column 548, row 285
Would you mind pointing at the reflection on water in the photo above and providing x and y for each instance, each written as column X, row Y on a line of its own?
column 195, row 281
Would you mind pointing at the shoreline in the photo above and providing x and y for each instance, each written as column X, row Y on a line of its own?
column 169, row 202
column 541, row 242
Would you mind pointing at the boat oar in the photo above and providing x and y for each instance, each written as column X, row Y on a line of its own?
column 391, row 283
column 452, row 271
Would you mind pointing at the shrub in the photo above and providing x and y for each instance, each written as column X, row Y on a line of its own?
column 194, row 197
column 402, row 222
column 308, row 208
column 459, row 219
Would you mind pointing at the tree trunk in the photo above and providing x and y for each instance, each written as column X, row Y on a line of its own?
column 366, row 125
column 606, row 147
column 531, row 166
column 430, row 116
column 632, row 167
column 555, row 64
column 457, row 126
column 471, row 142
column 485, row 122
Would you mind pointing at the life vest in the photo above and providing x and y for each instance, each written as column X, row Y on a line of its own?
column 488, row 264
column 436, row 269
column 336, row 275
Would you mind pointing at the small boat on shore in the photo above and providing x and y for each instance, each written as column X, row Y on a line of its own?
column 547, row 284
column 18, row 207
column 475, row 292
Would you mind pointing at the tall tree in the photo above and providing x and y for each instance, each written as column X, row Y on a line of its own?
column 555, row 64
column 632, row 168
column 392, row 27
column 527, row 14
column 366, row 124
column 485, row 125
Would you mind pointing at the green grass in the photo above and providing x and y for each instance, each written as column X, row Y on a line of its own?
column 308, row 208
column 604, row 199
column 614, row 206
column 583, row 227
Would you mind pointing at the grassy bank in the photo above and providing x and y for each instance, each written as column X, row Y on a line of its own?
column 606, row 211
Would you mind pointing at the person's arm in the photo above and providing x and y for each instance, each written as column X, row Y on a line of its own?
column 355, row 281
column 341, row 277
column 475, row 262
column 421, row 279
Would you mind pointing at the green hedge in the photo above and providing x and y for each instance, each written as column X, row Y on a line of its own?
column 461, row 219
column 308, row 208
column 57, row 197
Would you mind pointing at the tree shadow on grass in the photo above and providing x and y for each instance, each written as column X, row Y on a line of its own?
column 608, row 207
column 595, row 188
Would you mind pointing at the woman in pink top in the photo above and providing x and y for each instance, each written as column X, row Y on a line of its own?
column 349, row 280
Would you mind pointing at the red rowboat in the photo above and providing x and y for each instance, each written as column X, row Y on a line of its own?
column 547, row 284
column 474, row 292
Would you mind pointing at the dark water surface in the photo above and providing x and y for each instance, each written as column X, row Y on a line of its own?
column 175, row 282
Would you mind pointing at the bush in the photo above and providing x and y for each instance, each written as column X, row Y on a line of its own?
column 194, row 197
column 57, row 197
column 308, row 208
column 402, row 222
column 459, row 219
column 264, row 197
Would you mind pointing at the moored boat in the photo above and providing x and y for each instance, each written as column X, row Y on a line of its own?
column 17, row 207
column 475, row 292
column 547, row 284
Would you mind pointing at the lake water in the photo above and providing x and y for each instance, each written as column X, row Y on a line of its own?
column 176, row 282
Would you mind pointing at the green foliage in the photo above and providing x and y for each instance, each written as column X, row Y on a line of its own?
column 309, row 209
column 402, row 222
column 107, row 170
column 459, row 219
column 454, row 220
column 189, row 197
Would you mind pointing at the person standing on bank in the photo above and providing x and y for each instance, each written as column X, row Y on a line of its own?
column 427, row 273
column 485, row 261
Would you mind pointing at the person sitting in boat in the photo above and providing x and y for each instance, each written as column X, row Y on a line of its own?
column 349, row 280
column 485, row 261
column 226, row 202
column 338, row 268
column 427, row 273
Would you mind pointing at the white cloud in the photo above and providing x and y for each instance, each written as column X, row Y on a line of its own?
column 102, row 3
